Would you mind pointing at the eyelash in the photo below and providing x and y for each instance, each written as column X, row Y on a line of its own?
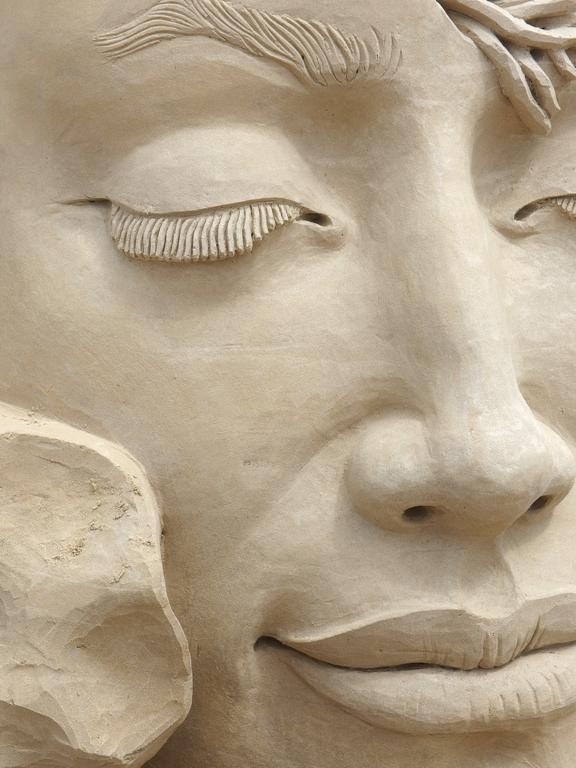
column 567, row 204
column 208, row 236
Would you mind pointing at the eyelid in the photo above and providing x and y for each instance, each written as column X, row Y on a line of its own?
column 566, row 203
column 209, row 235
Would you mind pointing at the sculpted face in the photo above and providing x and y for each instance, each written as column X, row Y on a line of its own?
column 329, row 305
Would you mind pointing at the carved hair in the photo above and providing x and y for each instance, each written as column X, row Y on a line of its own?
column 518, row 36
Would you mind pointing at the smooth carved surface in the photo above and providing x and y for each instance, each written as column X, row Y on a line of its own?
column 94, row 667
column 288, row 297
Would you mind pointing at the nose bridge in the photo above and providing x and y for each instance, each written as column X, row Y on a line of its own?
column 457, row 346
column 479, row 425
column 453, row 315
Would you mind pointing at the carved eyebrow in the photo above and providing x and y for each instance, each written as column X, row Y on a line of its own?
column 317, row 53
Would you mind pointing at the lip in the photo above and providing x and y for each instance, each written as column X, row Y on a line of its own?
column 444, row 671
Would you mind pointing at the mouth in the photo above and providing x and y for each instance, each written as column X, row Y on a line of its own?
column 444, row 671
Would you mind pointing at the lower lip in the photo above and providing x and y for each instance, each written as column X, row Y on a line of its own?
column 435, row 700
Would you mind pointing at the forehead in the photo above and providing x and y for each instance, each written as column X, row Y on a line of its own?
column 58, row 38
column 78, row 114
column 89, row 15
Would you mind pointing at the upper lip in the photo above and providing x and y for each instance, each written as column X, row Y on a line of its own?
column 445, row 637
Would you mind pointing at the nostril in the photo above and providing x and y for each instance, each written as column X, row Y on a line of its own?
column 418, row 514
column 540, row 503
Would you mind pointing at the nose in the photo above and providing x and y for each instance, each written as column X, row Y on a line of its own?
column 468, row 452
column 405, row 470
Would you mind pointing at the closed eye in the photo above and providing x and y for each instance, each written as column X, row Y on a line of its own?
column 565, row 203
column 209, row 235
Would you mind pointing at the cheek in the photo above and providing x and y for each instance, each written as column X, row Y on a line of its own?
column 241, row 367
column 541, row 301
